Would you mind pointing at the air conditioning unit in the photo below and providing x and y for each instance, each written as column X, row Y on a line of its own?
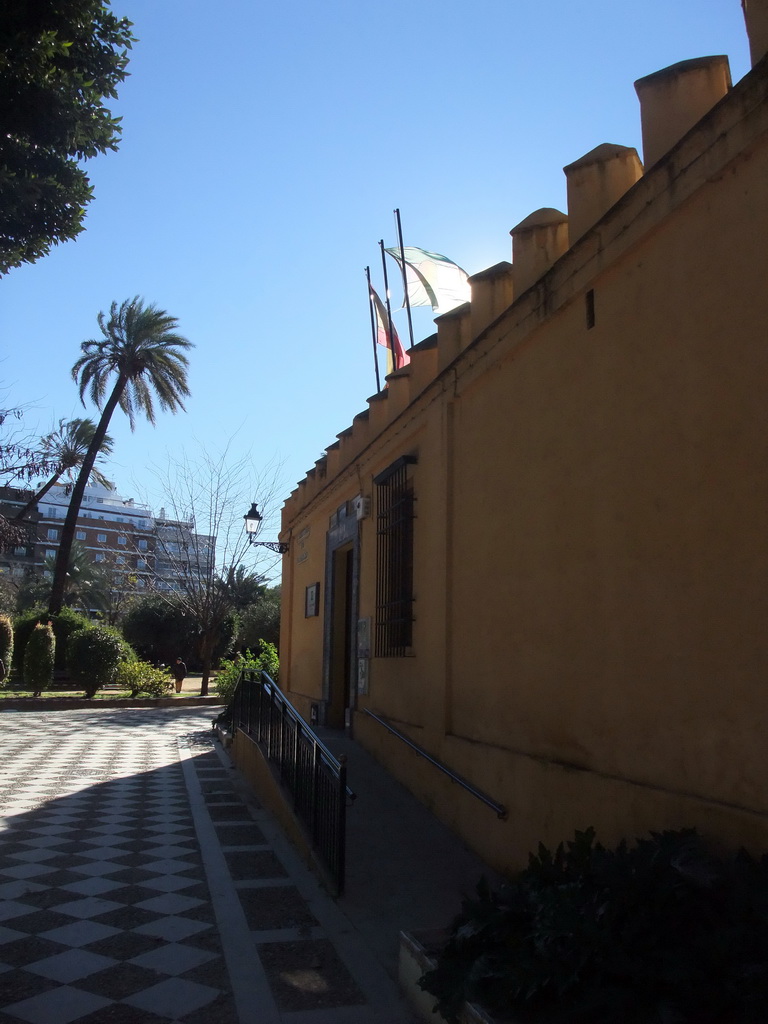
column 362, row 507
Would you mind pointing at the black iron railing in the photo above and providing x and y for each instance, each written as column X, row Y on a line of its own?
column 314, row 778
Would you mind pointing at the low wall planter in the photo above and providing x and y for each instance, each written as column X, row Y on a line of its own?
column 415, row 958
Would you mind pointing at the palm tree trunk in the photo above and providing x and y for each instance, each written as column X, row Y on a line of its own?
column 70, row 523
column 37, row 497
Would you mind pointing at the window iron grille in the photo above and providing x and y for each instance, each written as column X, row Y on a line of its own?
column 394, row 559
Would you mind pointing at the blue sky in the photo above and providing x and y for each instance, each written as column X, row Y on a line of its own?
column 264, row 149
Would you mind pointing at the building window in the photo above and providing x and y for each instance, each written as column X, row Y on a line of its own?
column 50, row 552
column 142, row 545
column 99, row 556
column 589, row 308
column 140, row 563
column 101, row 538
column 20, row 551
column 122, row 540
column 80, row 535
column 120, row 559
column 53, row 534
column 394, row 559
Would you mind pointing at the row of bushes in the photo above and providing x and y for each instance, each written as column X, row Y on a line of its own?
column 94, row 656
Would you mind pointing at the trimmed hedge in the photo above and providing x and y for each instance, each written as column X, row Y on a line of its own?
column 64, row 625
column 39, row 654
column 93, row 656
column 6, row 646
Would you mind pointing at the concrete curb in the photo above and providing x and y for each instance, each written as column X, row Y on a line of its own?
column 79, row 703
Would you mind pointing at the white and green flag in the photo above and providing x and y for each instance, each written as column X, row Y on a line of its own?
column 432, row 280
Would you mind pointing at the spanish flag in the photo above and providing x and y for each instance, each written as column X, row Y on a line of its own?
column 397, row 357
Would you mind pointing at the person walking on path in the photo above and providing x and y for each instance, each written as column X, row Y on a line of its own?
column 179, row 672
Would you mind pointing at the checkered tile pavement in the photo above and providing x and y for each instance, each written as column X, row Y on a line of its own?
column 105, row 909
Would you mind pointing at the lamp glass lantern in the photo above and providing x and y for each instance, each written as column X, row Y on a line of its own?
column 253, row 519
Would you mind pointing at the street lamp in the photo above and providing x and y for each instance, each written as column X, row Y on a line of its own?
column 253, row 520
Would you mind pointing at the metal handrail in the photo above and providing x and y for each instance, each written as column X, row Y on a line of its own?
column 500, row 809
column 279, row 698
column 315, row 780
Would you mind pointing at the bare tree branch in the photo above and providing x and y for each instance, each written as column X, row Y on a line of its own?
column 201, row 542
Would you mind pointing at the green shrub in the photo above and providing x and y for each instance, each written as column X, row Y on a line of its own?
column 23, row 625
column 139, row 677
column 6, row 647
column 660, row 931
column 39, row 657
column 64, row 624
column 228, row 675
column 93, row 655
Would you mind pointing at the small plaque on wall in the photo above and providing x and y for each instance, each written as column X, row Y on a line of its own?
column 362, row 675
column 364, row 637
column 312, row 600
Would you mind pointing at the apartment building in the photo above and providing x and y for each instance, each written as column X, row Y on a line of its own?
column 142, row 550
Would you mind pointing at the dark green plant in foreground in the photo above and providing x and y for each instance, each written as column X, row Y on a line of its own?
column 661, row 932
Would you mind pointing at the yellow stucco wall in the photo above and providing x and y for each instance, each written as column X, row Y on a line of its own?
column 590, row 543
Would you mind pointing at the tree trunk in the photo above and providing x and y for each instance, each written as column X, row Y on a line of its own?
column 207, row 644
column 37, row 497
column 70, row 523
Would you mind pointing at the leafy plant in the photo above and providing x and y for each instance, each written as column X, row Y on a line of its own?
column 228, row 675
column 93, row 656
column 39, row 657
column 658, row 932
column 141, row 678
column 60, row 62
column 6, row 646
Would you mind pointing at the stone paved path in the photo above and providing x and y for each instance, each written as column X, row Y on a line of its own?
column 139, row 884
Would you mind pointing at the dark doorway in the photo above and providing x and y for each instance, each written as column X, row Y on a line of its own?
column 341, row 647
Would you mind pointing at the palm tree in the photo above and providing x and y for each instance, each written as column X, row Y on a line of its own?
column 87, row 586
column 141, row 348
column 66, row 448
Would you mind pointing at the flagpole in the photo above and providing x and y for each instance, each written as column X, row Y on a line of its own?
column 373, row 329
column 389, row 308
column 402, row 268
